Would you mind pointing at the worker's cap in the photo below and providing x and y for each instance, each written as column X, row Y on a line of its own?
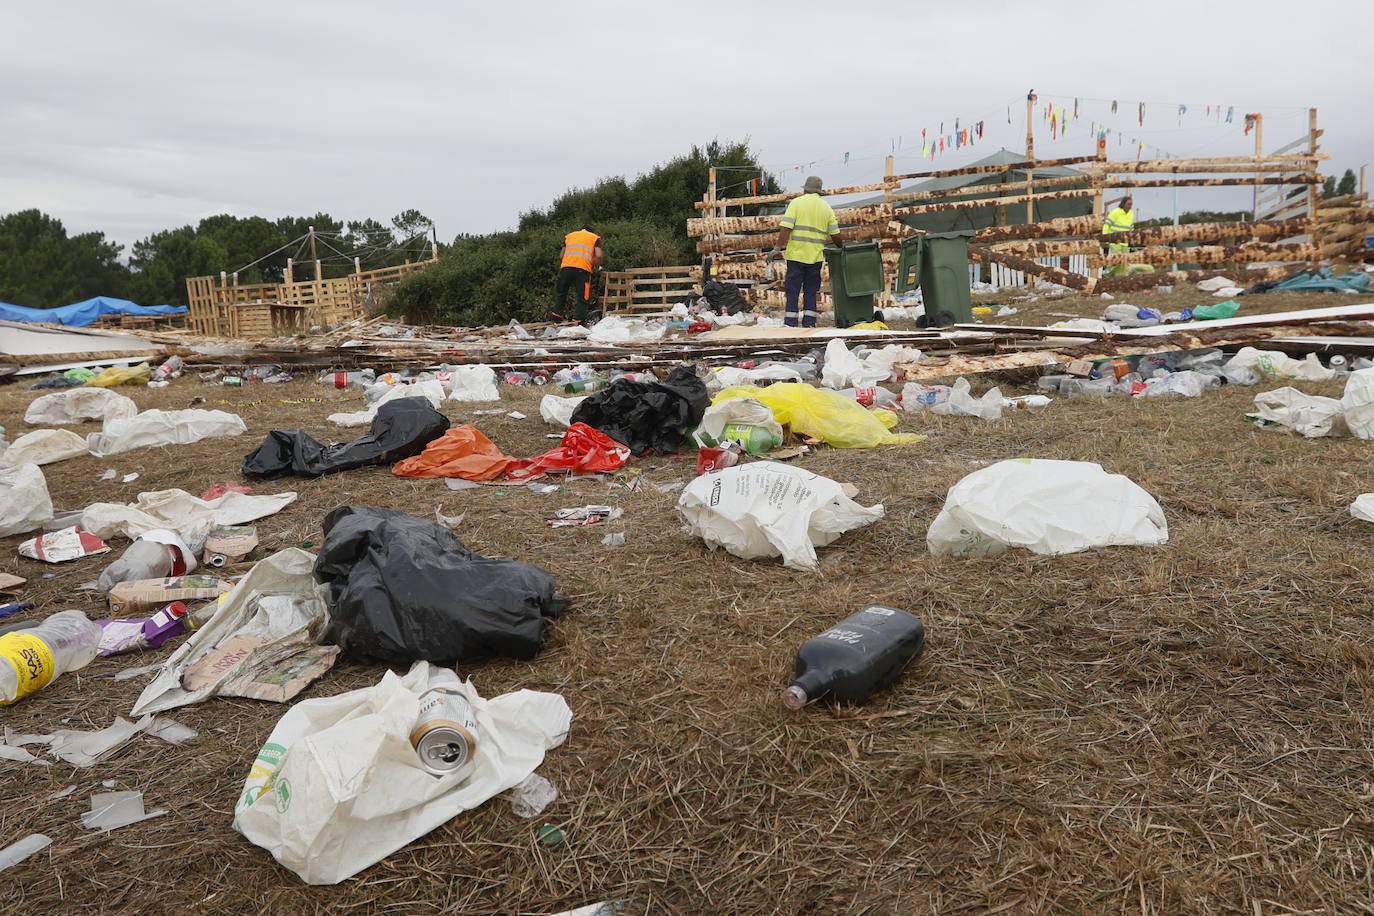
column 812, row 184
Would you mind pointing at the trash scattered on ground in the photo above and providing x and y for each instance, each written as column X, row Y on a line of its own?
column 647, row 416
column 381, row 394
column 325, row 830
column 1357, row 403
column 459, row 483
column 582, row 450
column 825, row 415
column 531, row 796
column 474, row 384
column 450, row 522
column 557, row 411
column 614, row 539
column 156, row 554
column 62, row 546
column 745, row 421
column 1311, row 415
column 20, row 850
column 403, row 588
column 24, row 501
column 141, row 595
column 163, row 427
column 1277, row 364
column 43, row 446
column 1048, row 507
column 1363, row 507
column 460, row 452
column 118, row 375
column 582, row 515
column 863, row 653
column 767, row 509
column 191, row 517
column 400, row 429
column 228, row 544
column 543, row 489
column 112, row 810
column 87, row 748
column 224, row 489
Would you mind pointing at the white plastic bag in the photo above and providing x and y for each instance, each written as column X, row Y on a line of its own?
column 43, row 446
column 337, row 786
column 432, row 391
column 1048, row 507
column 189, row 515
column 961, row 402
column 76, row 404
column 769, row 509
column 1363, row 507
column 1212, row 284
column 887, row 357
column 1280, row 365
column 558, row 411
column 24, row 500
column 1358, row 403
column 616, row 330
column 474, row 383
column 843, row 369
column 1187, row 383
column 1309, row 414
column 736, row 410
column 164, row 427
column 730, row 376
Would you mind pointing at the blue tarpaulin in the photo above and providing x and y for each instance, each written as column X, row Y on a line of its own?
column 80, row 314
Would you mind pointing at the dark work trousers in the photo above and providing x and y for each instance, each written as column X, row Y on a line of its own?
column 803, row 279
column 577, row 279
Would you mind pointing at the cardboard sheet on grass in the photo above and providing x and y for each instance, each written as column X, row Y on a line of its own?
column 163, row 427
column 273, row 615
column 462, row 452
column 1047, row 507
column 338, row 787
column 825, row 415
column 178, row 510
column 24, row 501
column 79, row 404
column 768, row 509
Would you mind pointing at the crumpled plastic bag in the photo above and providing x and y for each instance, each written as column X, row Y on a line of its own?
column 1357, row 403
column 288, row 626
column 558, row 411
column 188, row 515
column 462, row 452
column 43, row 446
column 647, row 416
column 1220, row 311
column 1312, row 415
column 1212, row 284
column 474, row 383
column 403, row 588
column 400, row 429
column 24, row 500
column 1048, row 507
column 843, row 369
column 1277, row 364
column 164, row 427
column 746, row 411
column 770, row 509
column 1363, row 507
column 584, row 450
column 616, row 330
column 118, row 375
column 77, row 404
column 432, row 391
column 961, row 403
column 337, row 786
column 729, row 376
column 826, row 415
column 1187, row 383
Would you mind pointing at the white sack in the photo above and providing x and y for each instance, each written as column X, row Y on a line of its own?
column 1309, row 414
column 558, row 411
column 338, row 787
column 843, row 369
column 76, row 404
column 43, row 446
column 24, row 501
column 769, row 509
column 1048, row 507
column 290, row 626
column 432, row 391
column 1363, row 507
column 474, row 383
column 164, row 427
column 735, row 410
column 1212, row 284
column 1280, row 365
column 178, row 510
column 1187, row 383
column 1358, row 403
column 961, row 403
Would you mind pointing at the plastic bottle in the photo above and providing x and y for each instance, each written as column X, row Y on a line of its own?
column 32, row 658
column 584, row 385
column 753, row 439
column 855, row 657
column 142, row 560
column 168, row 369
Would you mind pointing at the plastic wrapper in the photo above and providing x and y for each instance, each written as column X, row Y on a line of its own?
column 403, row 588
column 117, row 375
column 63, row 545
column 462, row 452
column 769, row 509
column 43, row 446
column 1363, row 507
column 24, row 501
column 583, row 451
column 1277, row 364
column 401, row 429
column 745, row 411
column 825, row 415
column 647, row 416
column 1187, row 383
column 63, row 407
column 960, row 402
column 1357, row 403
column 1047, row 507
column 1312, row 415
column 190, row 516
column 164, row 427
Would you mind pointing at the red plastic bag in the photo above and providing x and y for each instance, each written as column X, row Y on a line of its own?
column 462, row 452
column 584, row 450
column 220, row 489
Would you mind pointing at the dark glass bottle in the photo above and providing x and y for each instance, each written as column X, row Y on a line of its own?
column 852, row 659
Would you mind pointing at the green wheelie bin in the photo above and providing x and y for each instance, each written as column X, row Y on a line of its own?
column 944, row 278
column 856, row 274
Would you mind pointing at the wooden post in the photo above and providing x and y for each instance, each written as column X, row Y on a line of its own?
column 357, row 265
column 1259, row 155
column 889, row 186
column 1099, row 183
column 1313, row 192
column 1030, row 155
column 290, row 271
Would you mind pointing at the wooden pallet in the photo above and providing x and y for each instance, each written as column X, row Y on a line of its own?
column 648, row 289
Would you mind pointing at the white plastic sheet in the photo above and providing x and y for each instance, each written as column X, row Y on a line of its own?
column 164, row 427
column 616, row 330
column 190, row 516
column 736, row 410
column 43, row 446
column 1312, row 415
column 1188, row 384
column 24, row 501
column 961, row 402
column 769, row 509
column 558, row 411
column 843, row 369
column 1277, row 364
column 730, row 376
column 77, row 404
column 1213, row 284
column 1357, row 403
column 1048, row 507
column 338, row 787
column 432, row 391
column 474, row 384
column 1363, row 507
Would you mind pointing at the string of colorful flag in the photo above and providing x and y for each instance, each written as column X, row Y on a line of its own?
column 1060, row 116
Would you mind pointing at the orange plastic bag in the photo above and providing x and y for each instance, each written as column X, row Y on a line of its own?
column 462, row 452
column 584, row 450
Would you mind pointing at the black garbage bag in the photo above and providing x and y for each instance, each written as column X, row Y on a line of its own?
column 725, row 298
column 647, row 416
column 400, row 429
column 403, row 588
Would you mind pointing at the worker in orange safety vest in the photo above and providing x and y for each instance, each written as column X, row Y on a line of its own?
column 581, row 255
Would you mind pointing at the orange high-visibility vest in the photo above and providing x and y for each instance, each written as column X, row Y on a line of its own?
column 578, row 248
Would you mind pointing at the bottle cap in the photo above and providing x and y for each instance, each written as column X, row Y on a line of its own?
column 794, row 697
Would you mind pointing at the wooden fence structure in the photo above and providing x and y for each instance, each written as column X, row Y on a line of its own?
column 222, row 307
column 1291, row 224
column 648, row 289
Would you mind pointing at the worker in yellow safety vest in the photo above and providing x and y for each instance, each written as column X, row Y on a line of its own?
column 1121, row 219
column 580, row 256
column 806, row 226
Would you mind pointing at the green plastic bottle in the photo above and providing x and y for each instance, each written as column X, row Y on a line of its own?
column 584, row 385
column 753, row 439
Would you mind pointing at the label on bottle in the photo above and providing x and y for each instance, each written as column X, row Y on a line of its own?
column 880, row 611
column 32, row 661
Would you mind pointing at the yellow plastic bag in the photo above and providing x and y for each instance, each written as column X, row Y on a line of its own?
column 823, row 414
column 116, row 375
column 869, row 326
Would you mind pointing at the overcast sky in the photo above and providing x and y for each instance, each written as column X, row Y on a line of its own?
column 140, row 116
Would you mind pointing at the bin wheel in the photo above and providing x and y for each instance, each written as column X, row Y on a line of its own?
column 922, row 321
column 944, row 319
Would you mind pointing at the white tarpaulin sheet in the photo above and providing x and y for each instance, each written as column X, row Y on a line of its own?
column 178, row 510
column 164, row 427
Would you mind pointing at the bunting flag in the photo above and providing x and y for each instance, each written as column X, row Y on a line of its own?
column 1075, row 109
column 980, row 130
column 1113, row 106
column 846, row 159
column 1141, row 114
column 1230, row 110
column 1008, row 114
